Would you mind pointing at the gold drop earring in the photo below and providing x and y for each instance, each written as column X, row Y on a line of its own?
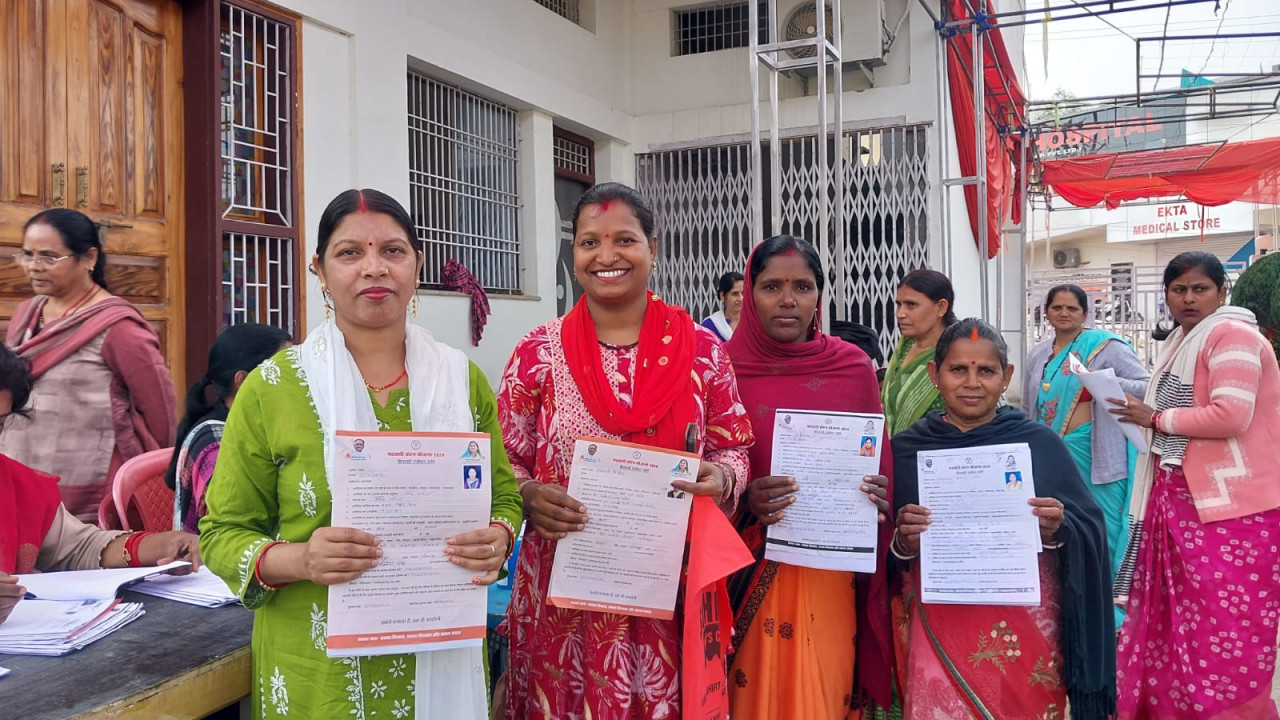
column 415, row 304
column 328, row 304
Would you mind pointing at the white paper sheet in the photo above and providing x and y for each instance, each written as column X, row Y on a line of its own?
column 201, row 588
column 413, row 491
column 88, row 584
column 982, row 546
column 832, row 524
column 628, row 559
column 1102, row 384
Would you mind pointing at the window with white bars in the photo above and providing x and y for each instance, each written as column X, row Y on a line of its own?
column 572, row 156
column 718, row 26
column 256, row 117
column 258, row 280
column 463, row 151
column 567, row 9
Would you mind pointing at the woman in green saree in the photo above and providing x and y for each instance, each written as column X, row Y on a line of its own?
column 924, row 309
column 1053, row 395
column 268, row 530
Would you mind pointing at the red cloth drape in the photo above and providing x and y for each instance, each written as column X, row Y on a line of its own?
column 1003, row 98
column 1206, row 174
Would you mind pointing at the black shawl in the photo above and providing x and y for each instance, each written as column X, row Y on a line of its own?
column 1088, row 641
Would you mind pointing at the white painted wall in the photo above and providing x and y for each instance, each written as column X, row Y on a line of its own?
column 355, row 134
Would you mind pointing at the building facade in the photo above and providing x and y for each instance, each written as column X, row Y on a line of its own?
column 207, row 137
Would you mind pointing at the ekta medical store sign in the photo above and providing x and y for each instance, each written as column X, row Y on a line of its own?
column 1178, row 220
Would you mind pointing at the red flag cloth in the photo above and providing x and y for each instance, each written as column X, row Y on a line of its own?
column 1003, row 102
column 1213, row 174
column 454, row 276
column 715, row 552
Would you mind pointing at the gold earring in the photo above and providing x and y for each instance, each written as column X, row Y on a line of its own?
column 328, row 302
column 415, row 304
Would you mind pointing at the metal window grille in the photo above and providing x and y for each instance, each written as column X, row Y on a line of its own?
column 1129, row 305
column 701, row 199
column 258, row 280
column 567, row 9
column 256, row 117
column 463, row 151
column 572, row 156
column 714, row 27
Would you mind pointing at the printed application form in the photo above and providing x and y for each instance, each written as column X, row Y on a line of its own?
column 413, row 491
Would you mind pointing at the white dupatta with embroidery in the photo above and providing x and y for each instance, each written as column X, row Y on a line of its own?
column 450, row 684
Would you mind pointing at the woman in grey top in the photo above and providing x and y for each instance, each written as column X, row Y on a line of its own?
column 1053, row 395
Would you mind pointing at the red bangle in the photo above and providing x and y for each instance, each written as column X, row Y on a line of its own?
column 131, row 544
column 257, row 566
column 1155, row 416
column 511, row 535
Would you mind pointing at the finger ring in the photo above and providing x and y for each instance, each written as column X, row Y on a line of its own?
column 492, row 550
column 1126, row 402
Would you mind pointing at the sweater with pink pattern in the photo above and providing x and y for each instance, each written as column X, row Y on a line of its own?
column 1232, row 462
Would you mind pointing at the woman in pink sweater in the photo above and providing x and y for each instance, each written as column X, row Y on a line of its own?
column 1201, row 575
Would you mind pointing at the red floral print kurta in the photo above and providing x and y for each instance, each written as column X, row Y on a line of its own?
column 569, row 664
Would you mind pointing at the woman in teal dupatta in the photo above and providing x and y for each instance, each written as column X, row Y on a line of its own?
column 923, row 308
column 1053, row 395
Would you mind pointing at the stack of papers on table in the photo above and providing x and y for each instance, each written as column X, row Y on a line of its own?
column 57, row 627
column 201, row 588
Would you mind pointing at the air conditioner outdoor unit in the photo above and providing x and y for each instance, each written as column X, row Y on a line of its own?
column 1066, row 258
column 862, row 20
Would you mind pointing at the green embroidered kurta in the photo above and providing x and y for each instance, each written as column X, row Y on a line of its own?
column 908, row 394
column 270, row 483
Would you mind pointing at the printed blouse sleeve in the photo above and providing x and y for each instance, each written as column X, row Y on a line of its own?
column 519, row 403
column 243, row 509
column 729, row 433
column 505, row 505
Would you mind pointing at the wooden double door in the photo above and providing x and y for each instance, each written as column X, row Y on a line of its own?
column 91, row 119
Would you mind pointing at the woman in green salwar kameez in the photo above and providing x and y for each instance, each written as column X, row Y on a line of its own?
column 267, row 532
column 924, row 309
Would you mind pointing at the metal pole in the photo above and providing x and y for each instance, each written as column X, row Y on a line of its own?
column 824, row 199
column 841, row 284
column 944, row 157
column 1022, row 245
column 757, row 189
column 980, row 152
column 775, row 137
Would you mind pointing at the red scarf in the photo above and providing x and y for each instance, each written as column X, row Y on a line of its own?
column 663, row 399
column 28, row 502
column 662, row 396
column 821, row 373
column 59, row 339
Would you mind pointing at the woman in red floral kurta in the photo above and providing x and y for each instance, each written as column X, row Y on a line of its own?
column 568, row 664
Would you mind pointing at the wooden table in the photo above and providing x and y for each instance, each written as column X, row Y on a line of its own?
column 176, row 661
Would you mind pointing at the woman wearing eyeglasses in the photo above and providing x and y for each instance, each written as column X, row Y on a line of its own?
column 102, row 393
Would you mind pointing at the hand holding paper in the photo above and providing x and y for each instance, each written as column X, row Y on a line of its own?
column 1102, row 384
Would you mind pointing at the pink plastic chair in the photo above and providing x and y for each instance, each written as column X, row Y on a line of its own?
column 142, row 500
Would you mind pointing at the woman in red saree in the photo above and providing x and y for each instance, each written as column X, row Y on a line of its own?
column 808, row 643
column 622, row 364
column 102, row 392
column 1000, row 662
